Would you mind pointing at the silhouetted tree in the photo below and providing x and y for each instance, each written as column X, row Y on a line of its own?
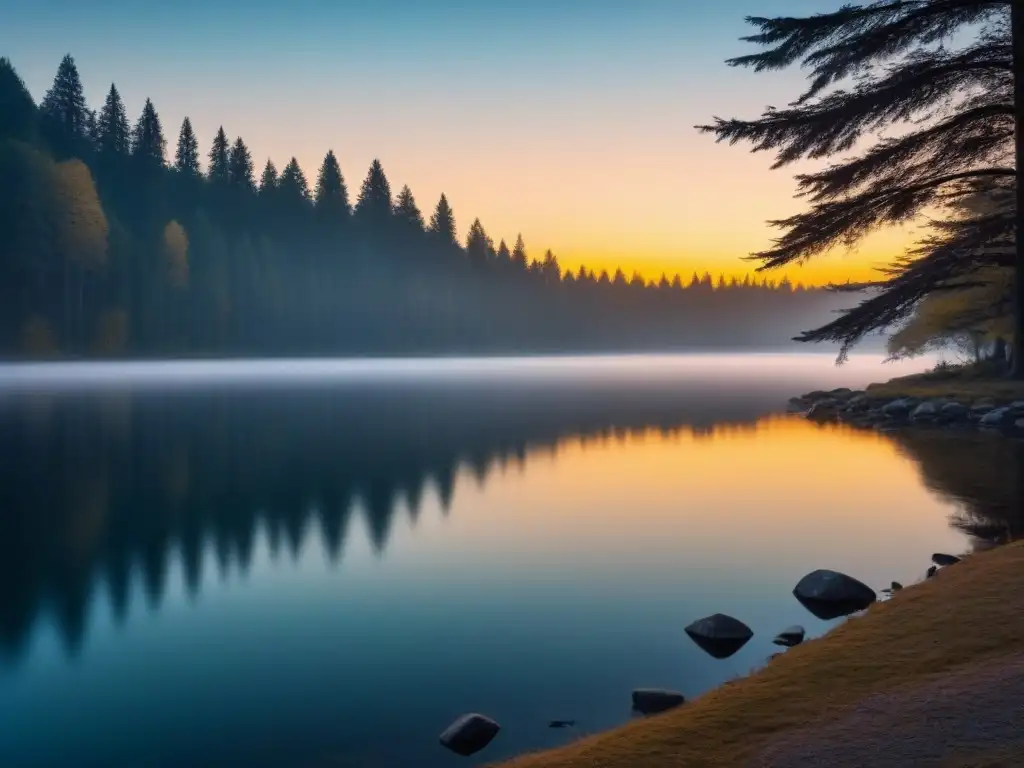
column 186, row 156
column 478, row 244
column 219, row 169
column 148, row 144
column 442, row 222
column 64, row 113
column 240, row 167
column 18, row 116
column 113, row 134
column 331, row 197
column 373, row 208
column 406, row 211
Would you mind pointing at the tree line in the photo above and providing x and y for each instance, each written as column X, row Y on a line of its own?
column 941, row 86
column 114, row 243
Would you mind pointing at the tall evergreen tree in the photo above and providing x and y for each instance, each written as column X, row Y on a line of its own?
column 294, row 199
column 519, row 257
column 374, row 204
column 952, row 75
column 442, row 222
column 331, row 194
column 240, row 168
column 268, row 179
column 113, row 134
column 149, row 147
column 186, row 157
column 18, row 115
column 503, row 255
column 218, row 171
column 478, row 244
column 407, row 212
column 65, row 116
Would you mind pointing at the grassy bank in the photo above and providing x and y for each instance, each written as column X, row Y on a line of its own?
column 970, row 612
column 966, row 383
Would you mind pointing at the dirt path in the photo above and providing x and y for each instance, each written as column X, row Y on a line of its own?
column 976, row 710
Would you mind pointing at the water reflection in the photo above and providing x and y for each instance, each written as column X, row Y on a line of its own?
column 580, row 521
column 98, row 484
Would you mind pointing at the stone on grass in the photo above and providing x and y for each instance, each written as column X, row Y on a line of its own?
column 469, row 734
column 830, row 594
column 790, row 636
column 940, row 558
column 650, row 701
column 720, row 635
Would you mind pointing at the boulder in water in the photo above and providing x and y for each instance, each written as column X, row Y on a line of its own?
column 650, row 701
column 995, row 418
column 720, row 635
column 931, row 571
column 925, row 411
column 940, row 558
column 790, row 636
column 898, row 409
column 830, row 594
column 469, row 734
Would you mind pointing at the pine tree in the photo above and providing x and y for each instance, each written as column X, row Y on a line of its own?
column 478, row 244
column 503, row 255
column 442, row 222
column 952, row 75
column 219, row 172
column 63, row 110
column 519, row 257
column 18, row 115
column 113, row 134
column 550, row 268
column 148, row 145
column 663, row 283
column 581, row 274
column 677, row 283
column 620, row 278
column 374, row 205
column 407, row 212
column 292, row 183
column 186, row 157
column 240, row 168
column 268, row 179
column 331, row 196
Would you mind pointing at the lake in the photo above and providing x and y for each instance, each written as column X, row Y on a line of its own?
column 324, row 563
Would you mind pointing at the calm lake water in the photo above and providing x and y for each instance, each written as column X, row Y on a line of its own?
column 323, row 564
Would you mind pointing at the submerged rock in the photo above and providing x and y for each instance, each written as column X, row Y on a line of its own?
column 940, row 558
column 720, row 635
column 830, row 594
column 650, row 701
column 561, row 724
column 895, row 587
column 469, row 734
column 790, row 636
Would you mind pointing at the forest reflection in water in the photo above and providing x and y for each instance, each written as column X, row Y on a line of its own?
column 98, row 485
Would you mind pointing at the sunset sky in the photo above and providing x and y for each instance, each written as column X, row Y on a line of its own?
column 570, row 121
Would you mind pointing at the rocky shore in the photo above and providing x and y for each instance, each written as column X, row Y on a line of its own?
column 863, row 410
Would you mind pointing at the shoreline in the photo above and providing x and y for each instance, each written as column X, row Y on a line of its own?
column 966, row 621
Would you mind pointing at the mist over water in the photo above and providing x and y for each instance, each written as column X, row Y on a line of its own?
column 325, row 562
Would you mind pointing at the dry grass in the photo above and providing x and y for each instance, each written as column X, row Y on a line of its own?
column 968, row 612
column 957, row 383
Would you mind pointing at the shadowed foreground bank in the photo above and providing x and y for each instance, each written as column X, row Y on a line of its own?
column 970, row 616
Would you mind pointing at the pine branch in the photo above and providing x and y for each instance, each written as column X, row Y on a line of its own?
column 842, row 222
column 835, row 122
column 848, row 41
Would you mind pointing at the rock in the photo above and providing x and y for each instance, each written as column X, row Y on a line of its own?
column 830, row 594
column 895, row 587
column 931, row 571
column 649, row 701
column 981, row 408
column 797, row 405
column 954, row 411
column 822, row 410
column 942, row 559
column 561, row 724
column 858, row 403
column 720, row 635
column 469, row 734
column 790, row 636
column 898, row 409
column 1019, row 424
column 925, row 411
column 995, row 417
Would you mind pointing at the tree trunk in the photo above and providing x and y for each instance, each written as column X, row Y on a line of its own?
column 1017, row 31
